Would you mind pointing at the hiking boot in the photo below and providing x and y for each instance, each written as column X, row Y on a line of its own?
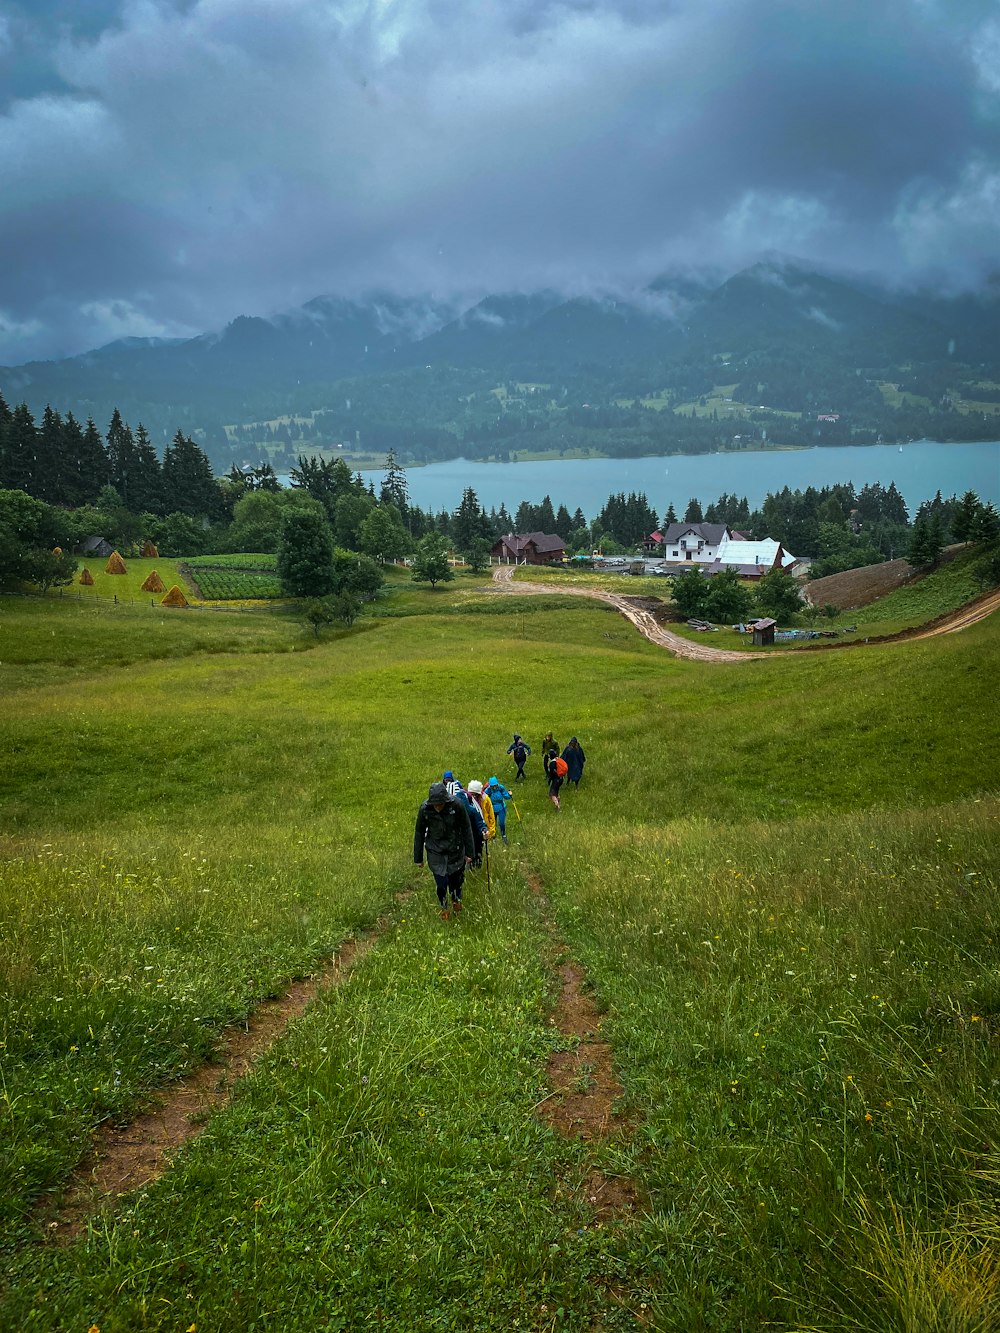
column 446, row 915
column 457, row 905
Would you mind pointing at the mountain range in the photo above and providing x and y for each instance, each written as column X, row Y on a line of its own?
column 778, row 311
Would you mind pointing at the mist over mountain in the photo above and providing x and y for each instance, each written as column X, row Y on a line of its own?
column 795, row 332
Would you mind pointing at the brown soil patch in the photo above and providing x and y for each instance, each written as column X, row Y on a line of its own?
column 584, row 1086
column 858, row 587
column 582, row 1078
column 609, row 1197
column 124, row 1158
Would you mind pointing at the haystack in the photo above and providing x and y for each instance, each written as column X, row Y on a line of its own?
column 86, row 578
column 153, row 583
column 149, row 551
column 174, row 598
column 115, row 565
column 57, row 550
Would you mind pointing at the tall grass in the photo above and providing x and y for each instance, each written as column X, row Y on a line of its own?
column 782, row 882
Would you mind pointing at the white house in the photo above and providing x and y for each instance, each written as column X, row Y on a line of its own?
column 715, row 547
column 695, row 543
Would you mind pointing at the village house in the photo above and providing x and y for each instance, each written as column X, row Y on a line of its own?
column 715, row 547
column 529, row 548
column 697, row 543
column 751, row 560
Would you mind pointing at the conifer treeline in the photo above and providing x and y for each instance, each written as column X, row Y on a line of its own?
column 63, row 463
column 69, row 465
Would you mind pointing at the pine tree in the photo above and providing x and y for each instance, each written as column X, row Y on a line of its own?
column 964, row 520
column 74, row 492
column 188, row 482
column 394, row 488
column 546, row 516
column 986, row 528
column 93, row 467
column 469, row 523
column 19, row 463
column 670, row 516
column 693, row 512
column 147, row 483
column 121, row 457
column 50, row 463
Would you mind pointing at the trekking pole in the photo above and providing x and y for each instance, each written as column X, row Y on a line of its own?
column 516, row 811
column 486, row 848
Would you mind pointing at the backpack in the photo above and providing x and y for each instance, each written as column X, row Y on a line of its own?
column 560, row 767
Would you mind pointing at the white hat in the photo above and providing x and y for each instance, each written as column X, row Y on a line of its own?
column 475, row 787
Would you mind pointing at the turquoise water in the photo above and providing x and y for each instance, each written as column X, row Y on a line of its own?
column 918, row 470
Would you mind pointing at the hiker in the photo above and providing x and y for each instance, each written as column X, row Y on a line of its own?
column 476, row 819
column 550, row 743
column 555, row 772
column 520, row 751
column 485, row 806
column 575, row 760
column 451, row 783
column 499, row 796
column 444, row 831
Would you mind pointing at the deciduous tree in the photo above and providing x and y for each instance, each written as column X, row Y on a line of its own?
column 430, row 564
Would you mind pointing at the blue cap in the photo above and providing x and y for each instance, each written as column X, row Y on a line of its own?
column 448, row 774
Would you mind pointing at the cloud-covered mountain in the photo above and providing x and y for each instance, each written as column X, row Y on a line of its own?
column 777, row 311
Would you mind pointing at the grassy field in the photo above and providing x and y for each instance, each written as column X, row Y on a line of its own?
column 782, row 884
column 126, row 587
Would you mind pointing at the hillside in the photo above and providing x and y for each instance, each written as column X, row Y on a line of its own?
column 678, row 1064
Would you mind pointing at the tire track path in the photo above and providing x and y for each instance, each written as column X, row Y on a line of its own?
column 125, row 1158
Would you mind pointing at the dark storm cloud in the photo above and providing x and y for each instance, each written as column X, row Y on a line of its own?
column 169, row 165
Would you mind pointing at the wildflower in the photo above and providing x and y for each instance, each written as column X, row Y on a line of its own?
column 869, row 1117
column 975, row 1018
column 93, row 1328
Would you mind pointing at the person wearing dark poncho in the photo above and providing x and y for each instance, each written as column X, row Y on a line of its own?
column 444, row 832
column 575, row 760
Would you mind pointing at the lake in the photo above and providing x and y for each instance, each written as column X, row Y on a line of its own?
column 918, row 471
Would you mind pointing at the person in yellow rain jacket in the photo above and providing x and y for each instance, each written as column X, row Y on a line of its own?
column 485, row 806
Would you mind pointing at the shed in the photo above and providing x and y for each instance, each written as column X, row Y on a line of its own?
column 763, row 631
column 94, row 546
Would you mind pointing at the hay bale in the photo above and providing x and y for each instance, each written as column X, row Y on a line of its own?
column 174, row 598
column 153, row 583
column 149, row 551
column 86, row 578
column 115, row 565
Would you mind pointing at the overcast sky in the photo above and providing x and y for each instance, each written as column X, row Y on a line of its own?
column 168, row 164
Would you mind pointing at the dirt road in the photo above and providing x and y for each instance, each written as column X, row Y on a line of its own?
column 645, row 623
column 642, row 620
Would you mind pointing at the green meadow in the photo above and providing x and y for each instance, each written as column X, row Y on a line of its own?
column 781, row 880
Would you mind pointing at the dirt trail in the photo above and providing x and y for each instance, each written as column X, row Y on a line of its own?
column 647, row 625
column 127, row 1157
column 584, row 1087
column 963, row 617
column 640, row 618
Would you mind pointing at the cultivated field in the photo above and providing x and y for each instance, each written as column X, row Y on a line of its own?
column 715, row 1048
